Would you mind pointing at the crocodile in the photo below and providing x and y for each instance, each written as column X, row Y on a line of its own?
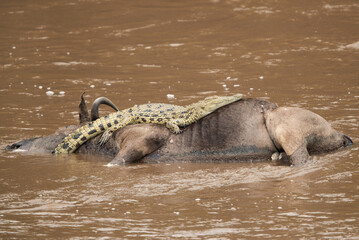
column 172, row 116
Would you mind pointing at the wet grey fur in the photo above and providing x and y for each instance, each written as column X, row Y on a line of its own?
column 247, row 130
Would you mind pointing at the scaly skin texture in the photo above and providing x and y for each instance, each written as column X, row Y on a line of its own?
column 172, row 116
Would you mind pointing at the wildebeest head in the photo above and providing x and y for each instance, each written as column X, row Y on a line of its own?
column 21, row 145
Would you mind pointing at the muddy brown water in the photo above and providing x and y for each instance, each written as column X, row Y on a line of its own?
column 294, row 53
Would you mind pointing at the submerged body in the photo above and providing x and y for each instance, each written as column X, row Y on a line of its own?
column 246, row 130
column 172, row 116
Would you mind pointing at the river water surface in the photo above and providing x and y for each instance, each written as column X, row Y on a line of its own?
column 295, row 53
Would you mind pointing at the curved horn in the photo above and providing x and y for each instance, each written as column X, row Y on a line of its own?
column 97, row 103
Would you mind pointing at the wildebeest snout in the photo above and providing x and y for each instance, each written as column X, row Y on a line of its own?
column 23, row 145
column 13, row 146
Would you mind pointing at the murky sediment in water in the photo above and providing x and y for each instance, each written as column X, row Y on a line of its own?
column 301, row 54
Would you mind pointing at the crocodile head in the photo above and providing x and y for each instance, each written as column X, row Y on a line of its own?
column 210, row 104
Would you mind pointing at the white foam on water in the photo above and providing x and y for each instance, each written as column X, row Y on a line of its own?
column 176, row 44
column 353, row 45
column 111, row 165
column 19, row 150
column 49, row 93
column 72, row 63
column 170, row 96
column 210, row 71
column 149, row 65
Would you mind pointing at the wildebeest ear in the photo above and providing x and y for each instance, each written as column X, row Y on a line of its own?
column 83, row 112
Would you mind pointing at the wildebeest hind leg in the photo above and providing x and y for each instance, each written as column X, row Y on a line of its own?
column 300, row 156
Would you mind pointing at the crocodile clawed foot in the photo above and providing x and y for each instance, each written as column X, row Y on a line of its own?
column 176, row 130
column 104, row 139
column 179, row 131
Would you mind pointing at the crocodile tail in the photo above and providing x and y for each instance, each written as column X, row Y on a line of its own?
column 81, row 135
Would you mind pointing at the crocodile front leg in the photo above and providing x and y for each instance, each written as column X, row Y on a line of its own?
column 126, row 120
column 174, row 124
